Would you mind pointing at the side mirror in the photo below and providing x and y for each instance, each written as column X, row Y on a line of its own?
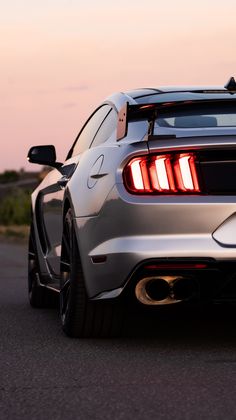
column 43, row 155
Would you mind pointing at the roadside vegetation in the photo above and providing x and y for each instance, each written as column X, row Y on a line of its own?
column 15, row 208
column 15, row 202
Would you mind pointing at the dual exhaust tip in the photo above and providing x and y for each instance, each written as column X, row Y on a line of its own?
column 164, row 290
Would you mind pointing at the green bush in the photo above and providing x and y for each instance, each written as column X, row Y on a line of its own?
column 15, row 208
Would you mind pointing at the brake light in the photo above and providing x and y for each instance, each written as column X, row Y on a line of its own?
column 162, row 174
column 139, row 175
column 186, row 175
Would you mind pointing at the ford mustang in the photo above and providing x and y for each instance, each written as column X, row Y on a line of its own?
column 142, row 210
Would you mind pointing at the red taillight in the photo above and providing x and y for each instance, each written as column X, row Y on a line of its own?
column 162, row 174
column 186, row 174
column 138, row 175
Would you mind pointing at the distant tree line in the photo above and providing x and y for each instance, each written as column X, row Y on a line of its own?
column 9, row 176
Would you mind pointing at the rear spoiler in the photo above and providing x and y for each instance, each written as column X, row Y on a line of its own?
column 150, row 112
column 134, row 113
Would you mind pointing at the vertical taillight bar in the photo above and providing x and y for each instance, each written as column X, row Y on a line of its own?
column 161, row 174
column 139, row 176
column 185, row 173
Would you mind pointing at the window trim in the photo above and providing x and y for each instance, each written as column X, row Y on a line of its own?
column 70, row 153
column 94, row 138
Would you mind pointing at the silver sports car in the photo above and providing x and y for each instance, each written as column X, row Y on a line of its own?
column 142, row 210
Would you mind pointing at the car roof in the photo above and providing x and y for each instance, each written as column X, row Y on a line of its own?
column 137, row 93
column 179, row 93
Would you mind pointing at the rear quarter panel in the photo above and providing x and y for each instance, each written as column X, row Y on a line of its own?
column 96, row 175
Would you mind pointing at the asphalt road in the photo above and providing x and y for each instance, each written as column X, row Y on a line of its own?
column 178, row 366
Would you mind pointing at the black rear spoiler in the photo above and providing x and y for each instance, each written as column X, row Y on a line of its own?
column 150, row 111
column 134, row 113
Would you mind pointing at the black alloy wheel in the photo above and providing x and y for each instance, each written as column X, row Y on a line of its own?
column 81, row 317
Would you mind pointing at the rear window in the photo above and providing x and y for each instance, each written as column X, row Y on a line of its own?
column 198, row 116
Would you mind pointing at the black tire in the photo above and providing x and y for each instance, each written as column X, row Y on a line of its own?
column 39, row 296
column 80, row 316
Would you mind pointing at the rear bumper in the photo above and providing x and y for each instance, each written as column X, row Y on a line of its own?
column 125, row 257
column 130, row 230
column 160, row 246
column 215, row 280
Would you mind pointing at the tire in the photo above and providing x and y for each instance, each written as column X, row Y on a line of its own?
column 39, row 296
column 81, row 317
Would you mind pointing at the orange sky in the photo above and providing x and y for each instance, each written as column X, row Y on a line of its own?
column 60, row 58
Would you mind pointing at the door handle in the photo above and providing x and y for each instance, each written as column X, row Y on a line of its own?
column 63, row 181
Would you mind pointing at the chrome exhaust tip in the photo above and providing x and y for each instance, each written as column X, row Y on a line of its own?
column 164, row 290
column 155, row 290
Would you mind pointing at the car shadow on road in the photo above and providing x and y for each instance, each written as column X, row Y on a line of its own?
column 200, row 326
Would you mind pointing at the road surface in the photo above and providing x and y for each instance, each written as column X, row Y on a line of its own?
column 182, row 366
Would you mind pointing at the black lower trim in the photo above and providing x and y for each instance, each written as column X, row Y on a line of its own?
column 217, row 281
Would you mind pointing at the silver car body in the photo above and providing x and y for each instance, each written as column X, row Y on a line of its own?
column 117, row 232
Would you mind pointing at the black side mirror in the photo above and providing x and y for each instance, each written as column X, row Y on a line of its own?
column 43, row 155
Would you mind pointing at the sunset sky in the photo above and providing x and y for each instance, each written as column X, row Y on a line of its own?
column 60, row 58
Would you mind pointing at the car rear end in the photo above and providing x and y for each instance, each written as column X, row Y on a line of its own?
column 170, row 219
column 189, row 234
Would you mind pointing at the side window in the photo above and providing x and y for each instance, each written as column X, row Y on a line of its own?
column 106, row 129
column 89, row 131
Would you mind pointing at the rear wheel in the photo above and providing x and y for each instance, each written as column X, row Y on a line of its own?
column 39, row 296
column 80, row 316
